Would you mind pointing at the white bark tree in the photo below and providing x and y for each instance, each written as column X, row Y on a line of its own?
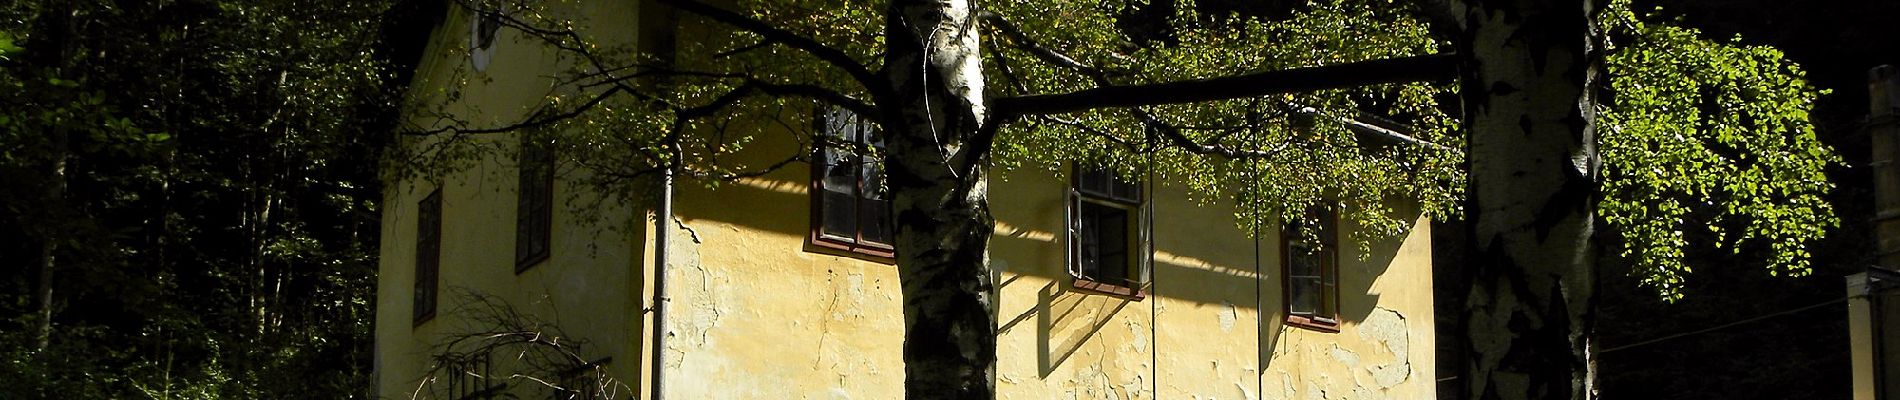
column 1530, row 73
column 958, row 86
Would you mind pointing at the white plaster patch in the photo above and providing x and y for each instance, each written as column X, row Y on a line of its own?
column 1137, row 337
column 1286, row 388
column 1344, row 356
column 697, row 297
column 1387, row 327
column 1361, row 392
column 1227, row 316
column 1315, row 392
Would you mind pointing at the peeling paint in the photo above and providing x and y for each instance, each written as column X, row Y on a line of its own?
column 1344, row 356
column 1387, row 327
column 1226, row 316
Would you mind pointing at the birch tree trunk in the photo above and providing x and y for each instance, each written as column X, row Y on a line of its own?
column 939, row 195
column 1528, row 79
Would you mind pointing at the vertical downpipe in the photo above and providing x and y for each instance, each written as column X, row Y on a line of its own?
column 662, row 229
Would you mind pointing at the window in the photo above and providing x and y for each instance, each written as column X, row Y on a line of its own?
column 1311, row 267
column 428, row 254
column 850, row 211
column 534, row 198
column 484, row 21
column 1108, row 244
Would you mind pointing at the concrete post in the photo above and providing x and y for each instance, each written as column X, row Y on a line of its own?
column 1868, row 317
column 1883, row 89
column 1860, row 337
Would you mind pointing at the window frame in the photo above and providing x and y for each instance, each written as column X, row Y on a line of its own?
column 856, row 245
column 1140, row 244
column 428, row 261
column 1326, row 317
column 538, row 226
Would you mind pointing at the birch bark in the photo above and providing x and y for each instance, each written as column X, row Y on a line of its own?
column 942, row 208
column 1528, row 82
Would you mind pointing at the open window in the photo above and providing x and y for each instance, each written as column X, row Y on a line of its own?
column 1310, row 265
column 1109, row 242
column 850, row 211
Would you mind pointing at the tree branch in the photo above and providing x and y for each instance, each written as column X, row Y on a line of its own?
column 1396, row 70
column 1028, row 44
column 828, row 54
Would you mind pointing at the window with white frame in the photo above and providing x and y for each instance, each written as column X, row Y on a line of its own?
column 1108, row 234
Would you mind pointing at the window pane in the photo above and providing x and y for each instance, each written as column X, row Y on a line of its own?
column 1302, row 296
column 1104, row 243
column 873, row 173
column 877, row 221
column 428, row 253
column 1125, row 190
column 1114, row 236
column 1327, row 307
column 839, row 172
column 533, row 192
column 1088, row 240
column 1303, row 261
column 839, row 214
column 1098, row 181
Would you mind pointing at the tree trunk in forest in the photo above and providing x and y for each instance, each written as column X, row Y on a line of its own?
column 1528, row 79
column 52, row 51
column 939, row 197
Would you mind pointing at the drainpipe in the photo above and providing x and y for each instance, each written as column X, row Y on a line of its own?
column 662, row 227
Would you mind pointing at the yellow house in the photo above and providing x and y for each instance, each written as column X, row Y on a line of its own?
column 777, row 286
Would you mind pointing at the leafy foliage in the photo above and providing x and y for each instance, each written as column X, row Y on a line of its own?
column 211, row 227
column 1696, row 132
column 1708, row 143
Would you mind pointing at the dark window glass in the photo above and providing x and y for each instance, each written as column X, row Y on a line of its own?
column 1105, row 229
column 534, row 204
column 428, row 254
column 1311, row 269
column 852, row 210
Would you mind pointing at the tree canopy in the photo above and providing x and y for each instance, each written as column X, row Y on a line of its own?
column 1705, row 142
column 191, row 196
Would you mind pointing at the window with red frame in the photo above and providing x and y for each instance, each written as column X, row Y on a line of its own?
column 850, row 210
column 1108, row 243
column 1310, row 264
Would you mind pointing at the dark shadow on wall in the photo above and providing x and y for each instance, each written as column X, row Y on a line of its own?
column 1057, row 306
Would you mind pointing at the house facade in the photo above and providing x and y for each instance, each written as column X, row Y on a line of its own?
column 780, row 286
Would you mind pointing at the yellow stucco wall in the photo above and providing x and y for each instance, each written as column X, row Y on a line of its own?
column 761, row 317
column 590, row 284
column 756, row 313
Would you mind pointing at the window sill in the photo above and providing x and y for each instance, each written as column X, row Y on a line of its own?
column 1323, row 325
column 1085, row 285
column 423, row 319
column 877, row 254
column 523, row 265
